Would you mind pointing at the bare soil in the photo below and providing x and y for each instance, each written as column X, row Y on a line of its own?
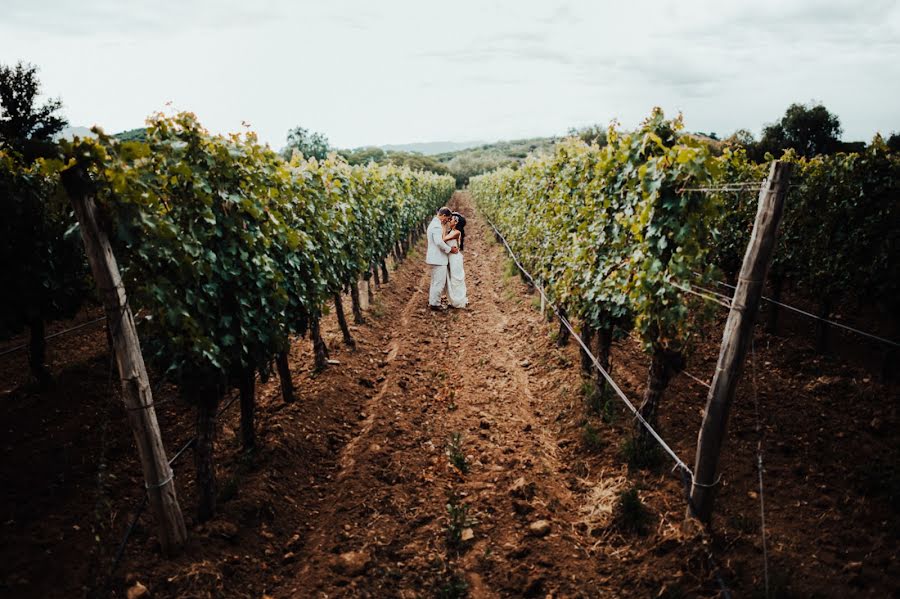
column 455, row 454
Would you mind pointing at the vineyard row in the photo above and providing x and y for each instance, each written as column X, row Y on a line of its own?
column 228, row 250
column 620, row 236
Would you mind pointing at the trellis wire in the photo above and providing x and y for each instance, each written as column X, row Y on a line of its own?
column 819, row 318
column 684, row 372
column 748, row 186
column 679, row 463
column 695, row 379
column 57, row 334
column 143, row 504
column 705, row 296
column 687, row 475
column 745, row 186
column 759, row 468
column 725, row 301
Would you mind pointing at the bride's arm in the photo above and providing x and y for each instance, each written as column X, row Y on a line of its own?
column 453, row 234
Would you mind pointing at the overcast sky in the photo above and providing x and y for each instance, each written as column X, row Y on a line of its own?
column 370, row 72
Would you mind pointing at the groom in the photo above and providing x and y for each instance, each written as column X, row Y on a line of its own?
column 436, row 257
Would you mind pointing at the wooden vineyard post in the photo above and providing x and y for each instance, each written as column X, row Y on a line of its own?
column 543, row 305
column 138, row 399
column 364, row 297
column 737, row 337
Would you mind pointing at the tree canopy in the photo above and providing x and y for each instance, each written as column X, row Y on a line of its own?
column 309, row 143
column 26, row 127
column 893, row 142
column 412, row 160
column 808, row 130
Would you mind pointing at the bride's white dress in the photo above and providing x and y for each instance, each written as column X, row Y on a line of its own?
column 456, row 282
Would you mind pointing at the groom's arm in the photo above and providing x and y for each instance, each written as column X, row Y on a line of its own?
column 438, row 240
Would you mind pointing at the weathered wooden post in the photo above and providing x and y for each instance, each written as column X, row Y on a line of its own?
column 737, row 337
column 543, row 301
column 356, row 303
column 365, row 299
column 158, row 477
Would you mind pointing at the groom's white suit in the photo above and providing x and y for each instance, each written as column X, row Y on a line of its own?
column 437, row 258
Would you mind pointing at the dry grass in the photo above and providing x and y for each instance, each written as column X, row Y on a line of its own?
column 598, row 511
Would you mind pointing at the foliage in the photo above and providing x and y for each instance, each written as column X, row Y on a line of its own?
column 614, row 234
column 599, row 399
column 468, row 163
column 455, row 453
column 808, row 130
column 417, row 162
column 25, row 127
column 591, row 437
column 466, row 166
column 139, row 134
column 450, row 583
column 594, row 134
column 617, row 234
column 308, row 143
column 230, row 250
column 364, row 155
column 629, row 514
column 893, row 142
column 739, row 208
column 457, row 521
column 609, row 230
column 740, row 139
column 640, row 456
column 454, row 587
column 838, row 237
column 194, row 241
column 411, row 160
column 44, row 268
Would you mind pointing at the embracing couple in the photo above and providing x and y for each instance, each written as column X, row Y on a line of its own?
column 445, row 242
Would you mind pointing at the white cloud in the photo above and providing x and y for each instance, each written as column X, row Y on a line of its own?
column 398, row 71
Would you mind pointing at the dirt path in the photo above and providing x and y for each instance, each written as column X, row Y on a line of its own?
column 383, row 530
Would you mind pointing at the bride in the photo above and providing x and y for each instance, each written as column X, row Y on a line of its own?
column 456, row 282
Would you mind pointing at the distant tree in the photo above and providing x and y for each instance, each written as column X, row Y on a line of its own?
column 467, row 165
column 742, row 138
column 25, row 127
column 309, row 143
column 851, row 147
column 139, row 134
column 809, row 130
column 893, row 142
column 589, row 135
column 710, row 140
column 44, row 271
column 417, row 162
column 773, row 141
column 413, row 160
column 364, row 155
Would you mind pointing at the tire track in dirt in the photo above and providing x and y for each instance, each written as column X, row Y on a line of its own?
column 347, row 457
column 363, row 520
column 382, row 530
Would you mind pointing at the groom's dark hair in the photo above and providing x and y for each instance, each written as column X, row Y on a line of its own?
column 444, row 211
